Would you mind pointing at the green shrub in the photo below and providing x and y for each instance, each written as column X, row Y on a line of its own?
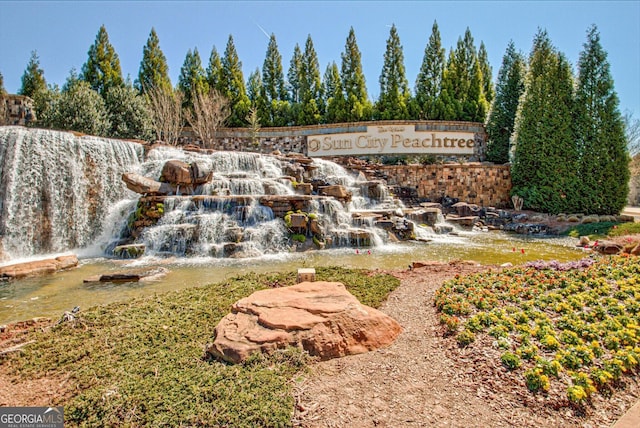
column 510, row 360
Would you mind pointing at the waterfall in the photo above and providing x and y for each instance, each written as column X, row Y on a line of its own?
column 61, row 192
column 57, row 189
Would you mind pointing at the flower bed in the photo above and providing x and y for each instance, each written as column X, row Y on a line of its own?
column 576, row 325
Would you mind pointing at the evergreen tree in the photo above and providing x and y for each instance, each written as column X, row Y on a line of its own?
column 275, row 91
column 214, row 70
column 602, row 147
column 80, row 108
column 2, row 88
column 449, row 103
column 154, row 71
column 128, row 113
column 487, row 78
column 102, row 69
column 192, row 78
column 394, row 87
column 476, row 106
column 334, row 96
column 256, row 94
column 294, row 84
column 232, row 86
column 293, row 75
column 254, row 86
column 311, row 107
column 33, row 77
column 429, row 80
column 509, row 88
column 45, row 104
column 544, row 169
column 353, row 82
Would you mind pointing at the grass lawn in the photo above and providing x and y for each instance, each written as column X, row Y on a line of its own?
column 141, row 363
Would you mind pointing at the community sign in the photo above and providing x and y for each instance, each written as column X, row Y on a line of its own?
column 394, row 139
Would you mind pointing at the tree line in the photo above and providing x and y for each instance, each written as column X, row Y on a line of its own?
column 457, row 88
column 562, row 133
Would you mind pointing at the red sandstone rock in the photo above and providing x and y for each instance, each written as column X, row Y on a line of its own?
column 176, row 172
column 38, row 267
column 321, row 317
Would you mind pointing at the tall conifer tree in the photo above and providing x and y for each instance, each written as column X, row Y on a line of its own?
column 154, row 71
column 429, row 80
column 394, row 87
column 509, row 88
column 232, row 86
column 293, row 75
column 334, row 96
column 312, row 106
column 487, row 78
column 102, row 69
column 602, row 146
column 192, row 78
column 353, row 82
column 275, row 91
column 214, row 69
column 544, row 169
column 33, row 80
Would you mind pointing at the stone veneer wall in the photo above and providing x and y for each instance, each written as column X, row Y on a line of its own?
column 474, row 183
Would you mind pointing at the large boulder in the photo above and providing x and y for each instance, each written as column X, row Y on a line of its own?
column 321, row 317
column 176, row 172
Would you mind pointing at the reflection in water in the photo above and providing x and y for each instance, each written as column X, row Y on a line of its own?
column 51, row 295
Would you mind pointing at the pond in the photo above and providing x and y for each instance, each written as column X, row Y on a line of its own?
column 50, row 296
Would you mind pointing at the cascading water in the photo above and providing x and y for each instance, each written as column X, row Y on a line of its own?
column 56, row 189
column 227, row 217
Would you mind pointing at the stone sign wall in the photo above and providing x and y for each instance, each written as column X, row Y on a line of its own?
column 466, row 140
column 474, row 183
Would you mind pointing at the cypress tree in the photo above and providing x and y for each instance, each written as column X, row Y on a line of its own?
column 312, row 107
column 509, row 88
column 232, row 85
column 214, row 69
column 154, row 71
column 293, row 75
column 256, row 95
column 487, row 78
column 294, row 84
column 602, row 146
column 353, row 81
column 449, row 103
column 334, row 96
column 2, row 88
column 275, row 91
column 429, row 80
column 33, row 80
column 394, row 87
column 476, row 106
column 102, row 69
column 544, row 169
column 192, row 78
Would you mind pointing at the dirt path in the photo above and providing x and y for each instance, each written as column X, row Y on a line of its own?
column 425, row 380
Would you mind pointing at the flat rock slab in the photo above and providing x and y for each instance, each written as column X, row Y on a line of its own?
column 323, row 318
column 38, row 267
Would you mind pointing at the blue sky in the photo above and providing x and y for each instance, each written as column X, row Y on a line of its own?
column 62, row 31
